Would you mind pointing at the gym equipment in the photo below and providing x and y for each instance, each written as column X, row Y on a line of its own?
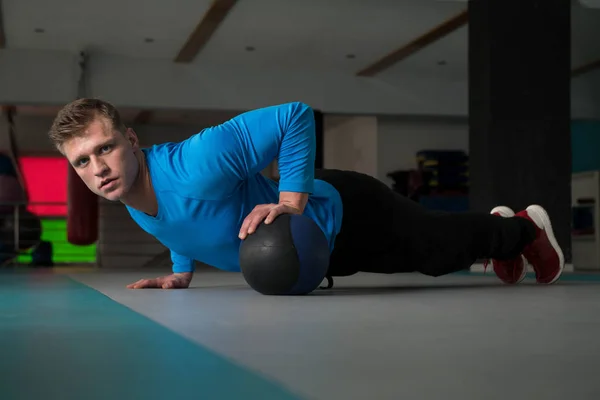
column 7, row 254
column 289, row 256
column 6, row 166
column 42, row 255
column 11, row 193
column 444, row 170
column 13, row 151
column 82, row 212
column 29, row 230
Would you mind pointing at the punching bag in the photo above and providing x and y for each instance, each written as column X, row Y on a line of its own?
column 82, row 203
column 82, row 211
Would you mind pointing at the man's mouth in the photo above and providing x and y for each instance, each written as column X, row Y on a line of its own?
column 106, row 182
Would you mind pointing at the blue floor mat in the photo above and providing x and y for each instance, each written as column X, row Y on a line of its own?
column 62, row 340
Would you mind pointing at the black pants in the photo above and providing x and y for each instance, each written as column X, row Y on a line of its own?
column 384, row 232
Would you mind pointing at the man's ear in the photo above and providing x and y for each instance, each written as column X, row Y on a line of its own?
column 132, row 138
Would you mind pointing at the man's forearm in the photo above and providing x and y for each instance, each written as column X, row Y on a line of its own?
column 294, row 199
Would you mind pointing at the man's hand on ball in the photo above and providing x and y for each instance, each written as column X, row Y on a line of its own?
column 266, row 213
column 174, row 281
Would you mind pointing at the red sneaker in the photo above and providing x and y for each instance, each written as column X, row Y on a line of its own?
column 509, row 271
column 544, row 253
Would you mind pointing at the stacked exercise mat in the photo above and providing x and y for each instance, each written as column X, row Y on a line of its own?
column 444, row 171
column 440, row 180
column 444, row 179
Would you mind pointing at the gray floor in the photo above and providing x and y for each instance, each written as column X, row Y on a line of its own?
column 391, row 337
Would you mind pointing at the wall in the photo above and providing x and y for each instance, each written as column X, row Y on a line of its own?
column 399, row 139
column 122, row 243
column 585, row 141
column 31, row 134
column 350, row 143
column 50, row 77
column 377, row 145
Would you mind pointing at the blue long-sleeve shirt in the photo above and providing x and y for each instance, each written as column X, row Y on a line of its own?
column 207, row 184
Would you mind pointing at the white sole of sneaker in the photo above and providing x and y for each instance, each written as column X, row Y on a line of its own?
column 542, row 219
column 507, row 212
column 503, row 211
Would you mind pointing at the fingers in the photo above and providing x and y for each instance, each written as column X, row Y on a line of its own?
column 173, row 281
column 175, row 284
column 275, row 212
column 266, row 213
column 252, row 221
column 144, row 283
column 246, row 224
column 134, row 284
column 256, row 220
column 244, row 229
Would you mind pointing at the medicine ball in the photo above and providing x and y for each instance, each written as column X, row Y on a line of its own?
column 30, row 229
column 289, row 256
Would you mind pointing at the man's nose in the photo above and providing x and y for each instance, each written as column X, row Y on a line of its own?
column 100, row 168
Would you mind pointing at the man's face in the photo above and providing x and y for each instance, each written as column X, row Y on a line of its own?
column 104, row 158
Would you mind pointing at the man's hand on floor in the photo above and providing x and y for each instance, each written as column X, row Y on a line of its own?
column 174, row 281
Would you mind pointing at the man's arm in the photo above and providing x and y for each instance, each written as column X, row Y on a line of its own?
column 294, row 200
column 181, row 264
column 183, row 272
column 226, row 154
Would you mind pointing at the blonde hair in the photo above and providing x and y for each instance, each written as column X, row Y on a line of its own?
column 75, row 117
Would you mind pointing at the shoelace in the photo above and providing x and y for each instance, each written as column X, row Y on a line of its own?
column 485, row 265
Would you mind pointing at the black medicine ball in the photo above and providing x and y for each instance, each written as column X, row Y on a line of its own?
column 290, row 256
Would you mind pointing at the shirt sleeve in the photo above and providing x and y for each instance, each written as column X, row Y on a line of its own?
column 226, row 154
column 181, row 263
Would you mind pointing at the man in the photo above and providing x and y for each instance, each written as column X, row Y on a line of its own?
column 201, row 197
